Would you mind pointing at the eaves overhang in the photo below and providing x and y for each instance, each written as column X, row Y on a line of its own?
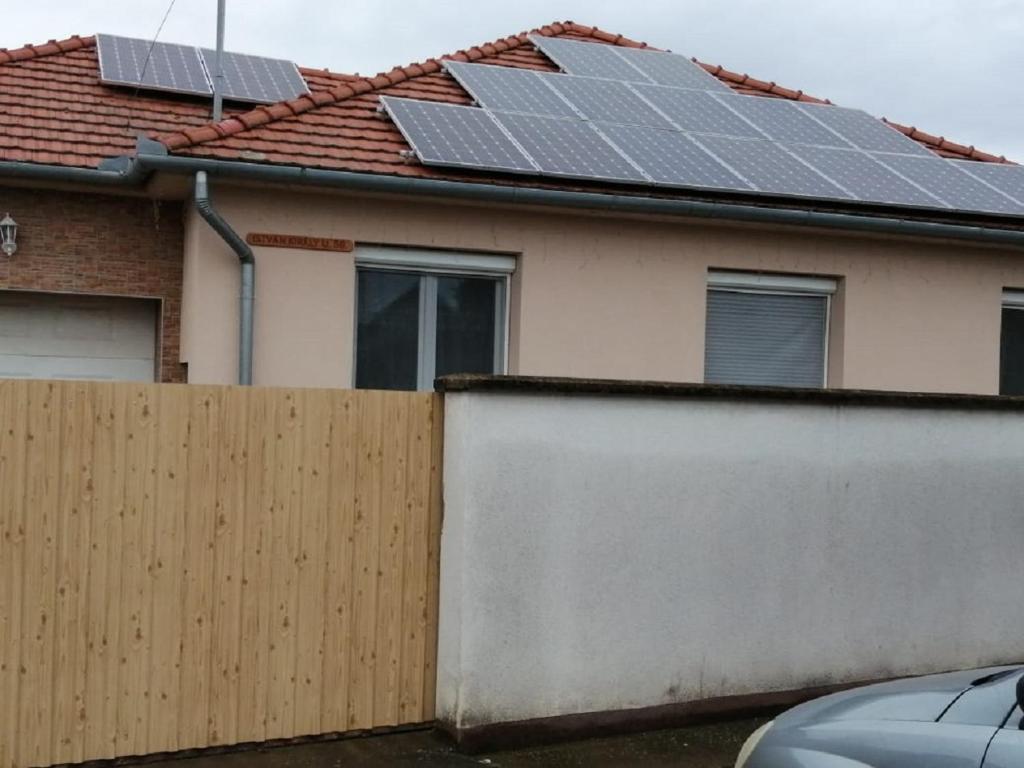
column 152, row 158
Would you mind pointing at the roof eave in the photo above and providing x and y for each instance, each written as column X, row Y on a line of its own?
column 152, row 158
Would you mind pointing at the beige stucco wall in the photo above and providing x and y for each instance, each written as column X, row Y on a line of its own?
column 593, row 296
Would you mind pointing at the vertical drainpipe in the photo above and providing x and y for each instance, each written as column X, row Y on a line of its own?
column 248, row 274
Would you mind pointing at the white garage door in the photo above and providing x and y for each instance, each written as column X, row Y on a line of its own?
column 53, row 336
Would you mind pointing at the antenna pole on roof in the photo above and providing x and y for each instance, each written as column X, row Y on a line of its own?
column 218, row 65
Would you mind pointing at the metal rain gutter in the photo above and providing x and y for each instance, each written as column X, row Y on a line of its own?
column 590, row 201
column 152, row 157
column 248, row 274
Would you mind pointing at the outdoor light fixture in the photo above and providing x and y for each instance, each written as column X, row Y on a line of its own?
column 8, row 235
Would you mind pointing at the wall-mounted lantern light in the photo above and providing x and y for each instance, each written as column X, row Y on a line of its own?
column 8, row 235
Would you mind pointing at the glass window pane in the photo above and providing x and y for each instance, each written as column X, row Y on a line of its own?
column 1011, row 365
column 765, row 339
column 387, row 334
column 465, row 325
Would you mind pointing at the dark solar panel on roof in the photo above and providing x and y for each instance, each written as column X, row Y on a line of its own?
column 256, row 78
column 1008, row 179
column 781, row 120
column 606, row 100
column 862, row 130
column 942, row 178
column 769, row 168
column 670, row 69
column 570, row 148
column 671, row 158
column 697, row 111
column 588, row 59
column 865, row 178
column 509, row 90
column 453, row 135
column 160, row 66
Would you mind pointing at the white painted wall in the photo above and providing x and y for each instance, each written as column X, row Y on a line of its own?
column 612, row 552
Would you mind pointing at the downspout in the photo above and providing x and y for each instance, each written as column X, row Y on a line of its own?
column 248, row 274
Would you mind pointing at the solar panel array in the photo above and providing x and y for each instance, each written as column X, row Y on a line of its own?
column 653, row 118
column 185, row 69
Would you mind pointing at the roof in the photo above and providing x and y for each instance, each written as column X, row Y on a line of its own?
column 54, row 110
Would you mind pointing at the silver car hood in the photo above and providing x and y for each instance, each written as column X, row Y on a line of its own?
column 921, row 699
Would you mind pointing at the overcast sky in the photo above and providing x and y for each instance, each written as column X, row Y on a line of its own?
column 951, row 67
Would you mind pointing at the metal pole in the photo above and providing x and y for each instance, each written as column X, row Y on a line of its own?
column 218, row 66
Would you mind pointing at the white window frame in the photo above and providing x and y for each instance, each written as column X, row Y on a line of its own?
column 1013, row 298
column 780, row 284
column 428, row 265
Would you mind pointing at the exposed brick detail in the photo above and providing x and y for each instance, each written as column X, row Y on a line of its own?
column 101, row 245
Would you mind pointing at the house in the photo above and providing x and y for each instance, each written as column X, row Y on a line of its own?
column 374, row 267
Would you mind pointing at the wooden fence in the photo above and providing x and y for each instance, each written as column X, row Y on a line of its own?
column 186, row 566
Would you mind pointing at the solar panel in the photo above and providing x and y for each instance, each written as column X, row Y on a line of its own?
column 160, row 66
column 606, row 100
column 670, row 69
column 453, row 135
column 571, row 148
column 697, row 111
column 868, row 180
column 587, row 59
column 769, row 168
column 942, row 178
column 1008, row 179
column 509, row 90
column 256, row 78
column 671, row 158
column 862, row 130
column 781, row 120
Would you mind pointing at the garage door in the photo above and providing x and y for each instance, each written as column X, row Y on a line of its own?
column 53, row 336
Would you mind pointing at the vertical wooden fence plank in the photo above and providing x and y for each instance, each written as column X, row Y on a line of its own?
column 72, row 573
column 13, row 453
column 338, row 568
column 316, row 454
column 229, row 550
column 390, row 568
column 256, row 567
column 194, row 700
column 42, row 488
column 414, row 582
column 104, row 596
column 366, row 553
column 137, row 576
column 168, row 565
column 436, row 512
column 287, row 515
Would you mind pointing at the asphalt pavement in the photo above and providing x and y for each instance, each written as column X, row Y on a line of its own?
column 705, row 746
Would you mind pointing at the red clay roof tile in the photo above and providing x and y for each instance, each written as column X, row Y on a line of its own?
column 54, row 110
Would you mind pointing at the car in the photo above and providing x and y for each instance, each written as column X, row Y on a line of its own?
column 966, row 719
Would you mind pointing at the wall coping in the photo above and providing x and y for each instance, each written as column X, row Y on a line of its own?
column 663, row 389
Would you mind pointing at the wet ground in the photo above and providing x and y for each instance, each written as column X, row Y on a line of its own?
column 705, row 746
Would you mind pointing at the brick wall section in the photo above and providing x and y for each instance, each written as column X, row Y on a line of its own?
column 72, row 242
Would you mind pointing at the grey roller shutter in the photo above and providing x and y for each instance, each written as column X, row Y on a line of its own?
column 765, row 339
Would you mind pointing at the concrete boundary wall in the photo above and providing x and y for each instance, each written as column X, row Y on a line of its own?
column 610, row 548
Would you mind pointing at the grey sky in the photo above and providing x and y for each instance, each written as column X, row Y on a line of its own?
column 951, row 67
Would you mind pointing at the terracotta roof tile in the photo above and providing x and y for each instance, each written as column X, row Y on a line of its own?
column 54, row 110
